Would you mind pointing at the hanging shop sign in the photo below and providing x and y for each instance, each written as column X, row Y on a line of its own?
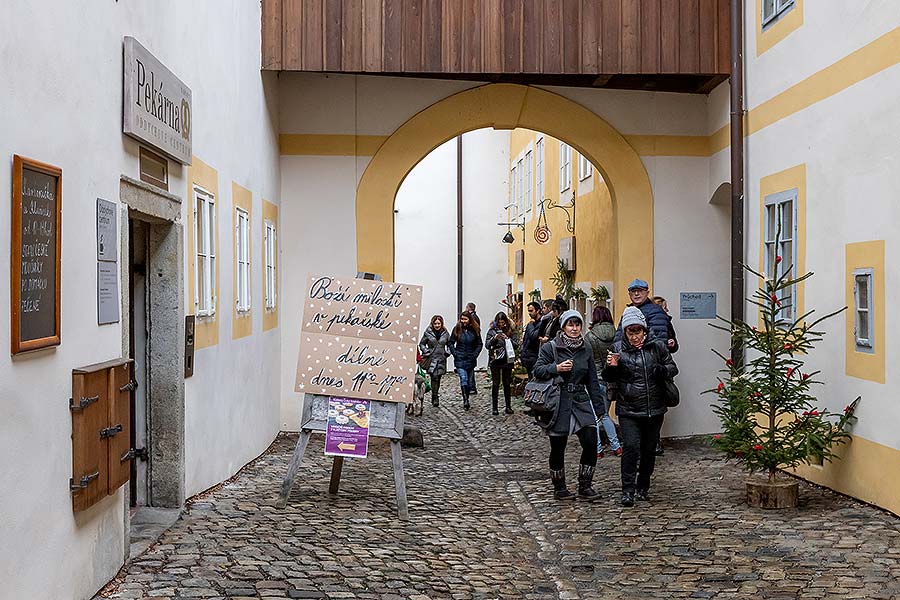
column 36, row 245
column 347, row 432
column 358, row 339
column 157, row 105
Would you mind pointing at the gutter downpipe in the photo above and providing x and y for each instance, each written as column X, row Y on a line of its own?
column 459, row 226
column 737, row 170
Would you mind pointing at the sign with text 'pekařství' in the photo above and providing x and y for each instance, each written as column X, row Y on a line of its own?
column 358, row 339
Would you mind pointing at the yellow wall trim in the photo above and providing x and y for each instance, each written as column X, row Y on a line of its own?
column 241, row 322
column 270, row 315
column 789, row 179
column 866, row 255
column 789, row 22
column 206, row 329
column 314, row 144
column 862, row 472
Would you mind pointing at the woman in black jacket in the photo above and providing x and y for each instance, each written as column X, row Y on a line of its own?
column 639, row 367
column 433, row 348
column 569, row 360
column 501, row 362
column 465, row 346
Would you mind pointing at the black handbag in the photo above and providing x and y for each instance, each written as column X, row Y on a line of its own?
column 672, row 395
column 542, row 395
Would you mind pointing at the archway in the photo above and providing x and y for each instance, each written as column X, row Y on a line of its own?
column 507, row 106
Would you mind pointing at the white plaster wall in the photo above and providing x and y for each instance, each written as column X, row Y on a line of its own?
column 830, row 31
column 849, row 145
column 426, row 234
column 61, row 98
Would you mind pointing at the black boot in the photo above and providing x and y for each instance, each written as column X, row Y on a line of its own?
column 509, row 409
column 659, row 451
column 434, row 400
column 465, row 395
column 643, row 495
column 559, row 485
column 628, row 498
column 585, row 477
column 494, row 410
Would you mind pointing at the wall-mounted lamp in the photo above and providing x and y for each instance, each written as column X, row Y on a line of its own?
column 508, row 237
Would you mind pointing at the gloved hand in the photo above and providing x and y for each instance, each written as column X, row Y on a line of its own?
column 659, row 372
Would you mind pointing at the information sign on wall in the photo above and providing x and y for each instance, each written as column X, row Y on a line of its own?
column 36, row 244
column 358, row 339
column 157, row 105
column 107, row 228
column 698, row 305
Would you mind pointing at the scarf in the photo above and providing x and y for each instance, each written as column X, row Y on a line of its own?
column 564, row 341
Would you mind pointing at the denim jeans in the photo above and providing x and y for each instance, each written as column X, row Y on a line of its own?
column 466, row 379
column 639, row 435
column 608, row 426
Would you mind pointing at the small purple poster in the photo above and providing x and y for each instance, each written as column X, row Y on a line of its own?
column 347, row 433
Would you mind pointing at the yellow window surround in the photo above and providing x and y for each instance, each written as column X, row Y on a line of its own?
column 206, row 329
column 869, row 365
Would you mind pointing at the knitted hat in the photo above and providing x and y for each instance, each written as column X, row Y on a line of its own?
column 571, row 314
column 633, row 316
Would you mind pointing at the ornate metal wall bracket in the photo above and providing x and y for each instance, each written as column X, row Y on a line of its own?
column 548, row 204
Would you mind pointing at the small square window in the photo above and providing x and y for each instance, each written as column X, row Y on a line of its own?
column 154, row 169
column 773, row 9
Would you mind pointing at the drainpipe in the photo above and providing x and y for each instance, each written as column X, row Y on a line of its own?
column 737, row 169
column 459, row 226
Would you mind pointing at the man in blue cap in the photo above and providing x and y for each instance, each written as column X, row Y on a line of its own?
column 657, row 319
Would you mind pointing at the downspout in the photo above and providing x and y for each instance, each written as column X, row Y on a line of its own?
column 737, row 170
column 459, row 226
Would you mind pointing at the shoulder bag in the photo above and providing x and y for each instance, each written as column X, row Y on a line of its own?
column 542, row 396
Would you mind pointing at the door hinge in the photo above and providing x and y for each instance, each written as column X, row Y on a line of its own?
column 83, row 403
column 109, row 432
column 141, row 453
column 129, row 455
column 85, row 481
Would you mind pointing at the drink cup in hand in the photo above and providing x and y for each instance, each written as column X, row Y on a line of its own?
column 612, row 359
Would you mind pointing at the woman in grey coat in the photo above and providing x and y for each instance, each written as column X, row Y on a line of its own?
column 573, row 367
column 433, row 348
column 600, row 336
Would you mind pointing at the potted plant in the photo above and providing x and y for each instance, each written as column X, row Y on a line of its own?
column 535, row 295
column 599, row 295
column 771, row 421
column 564, row 280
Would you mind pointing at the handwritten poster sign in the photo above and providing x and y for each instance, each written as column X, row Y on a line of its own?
column 347, row 432
column 36, row 245
column 359, row 338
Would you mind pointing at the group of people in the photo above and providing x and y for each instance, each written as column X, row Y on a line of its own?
column 593, row 367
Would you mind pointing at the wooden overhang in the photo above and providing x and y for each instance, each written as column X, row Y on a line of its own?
column 663, row 45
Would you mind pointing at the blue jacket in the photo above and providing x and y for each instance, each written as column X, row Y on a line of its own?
column 465, row 349
column 657, row 321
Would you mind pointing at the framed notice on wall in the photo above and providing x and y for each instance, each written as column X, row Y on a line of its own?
column 35, row 256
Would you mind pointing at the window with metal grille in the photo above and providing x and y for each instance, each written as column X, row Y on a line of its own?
column 271, row 273
column 864, row 309
column 242, row 253
column 781, row 223
column 204, row 252
column 773, row 9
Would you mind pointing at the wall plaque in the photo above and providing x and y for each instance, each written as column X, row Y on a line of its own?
column 358, row 339
column 157, row 105
column 698, row 305
column 35, row 256
column 107, row 292
column 107, row 229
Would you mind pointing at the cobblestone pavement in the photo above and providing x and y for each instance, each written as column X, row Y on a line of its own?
column 483, row 525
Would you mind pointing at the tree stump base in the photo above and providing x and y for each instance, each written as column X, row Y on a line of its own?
column 781, row 494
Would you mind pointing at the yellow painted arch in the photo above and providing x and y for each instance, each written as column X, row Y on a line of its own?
column 507, row 106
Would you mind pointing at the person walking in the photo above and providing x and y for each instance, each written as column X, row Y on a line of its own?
column 639, row 365
column 465, row 346
column 502, row 352
column 433, row 348
column 530, row 342
column 568, row 360
column 470, row 308
column 600, row 336
column 657, row 319
column 553, row 325
column 672, row 344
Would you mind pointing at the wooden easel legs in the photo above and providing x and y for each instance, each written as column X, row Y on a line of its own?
column 288, row 482
column 399, row 480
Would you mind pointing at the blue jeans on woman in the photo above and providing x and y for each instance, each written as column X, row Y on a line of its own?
column 466, row 378
column 608, row 426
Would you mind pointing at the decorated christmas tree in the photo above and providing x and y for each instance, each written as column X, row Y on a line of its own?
column 770, row 417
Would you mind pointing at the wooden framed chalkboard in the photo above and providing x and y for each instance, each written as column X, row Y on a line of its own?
column 35, row 256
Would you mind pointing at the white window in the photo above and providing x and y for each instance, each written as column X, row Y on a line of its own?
column 271, row 273
column 242, row 253
column 772, row 9
column 520, row 190
column 539, row 169
column 865, row 311
column 529, row 182
column 205, row 253
column 781, row 222
column 584, row 168
column 565, row 166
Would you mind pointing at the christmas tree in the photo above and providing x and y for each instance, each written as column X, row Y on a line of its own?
column 770, row 418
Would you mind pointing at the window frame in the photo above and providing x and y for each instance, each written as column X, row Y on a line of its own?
column 511, row 203
column 529, row 185
column 565, row 167
column 204, row 262
column 866, row 344
column 778, row 200
column 242, row 254
column 520, row 189
column 585, row 168
column 539, row 168
column 779, row 8
column 271, row 264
